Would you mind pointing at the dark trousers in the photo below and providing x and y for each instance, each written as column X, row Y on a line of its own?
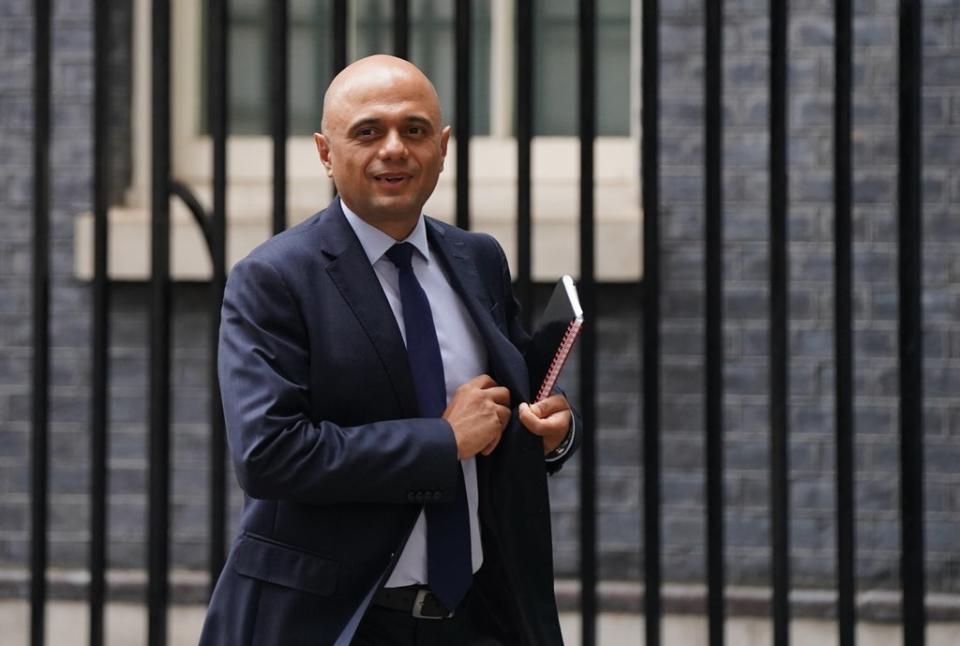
column 387, row 627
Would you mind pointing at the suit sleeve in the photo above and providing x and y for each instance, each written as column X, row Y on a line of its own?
column 521, row 339
column 277, row 450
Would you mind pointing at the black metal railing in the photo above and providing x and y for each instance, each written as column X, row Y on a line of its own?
column 462, row 112
column 99, row 438
column 219, row 127
column 158, row 506
column 213, row 225
column 843, row 322
column 713, row 314
column 650, row 171
column 279, row 109
column 40, row 436
column 912, row 571
column 779, row 324
column 587, row 79
column 524, row 98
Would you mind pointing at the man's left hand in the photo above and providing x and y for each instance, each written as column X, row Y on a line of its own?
column 549, row 418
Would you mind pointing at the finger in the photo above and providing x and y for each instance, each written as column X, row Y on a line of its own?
column 488, row 449
column 556, row 423
column 482, row 381
column 530, row 421
column 503, row 416
column 499, row 394
column 550, row 405
column 559, row 417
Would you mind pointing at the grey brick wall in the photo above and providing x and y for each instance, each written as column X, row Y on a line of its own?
column 619, row 431
column 811, row 289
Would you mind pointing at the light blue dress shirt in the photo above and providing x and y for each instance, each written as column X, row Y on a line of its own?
column 464, row 357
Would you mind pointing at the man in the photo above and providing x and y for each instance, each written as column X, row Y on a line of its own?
column 375, row 396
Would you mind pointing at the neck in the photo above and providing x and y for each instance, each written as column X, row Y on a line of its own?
column 397, row 227
column 396, row 230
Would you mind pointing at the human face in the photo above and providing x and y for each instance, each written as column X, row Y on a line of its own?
column 383, row 145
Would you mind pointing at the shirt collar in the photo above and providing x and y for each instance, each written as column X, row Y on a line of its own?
column 375, row 242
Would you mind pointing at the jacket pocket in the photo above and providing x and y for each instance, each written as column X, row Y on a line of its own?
column 285, row 565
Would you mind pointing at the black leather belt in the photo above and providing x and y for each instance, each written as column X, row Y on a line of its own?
column 414, row 599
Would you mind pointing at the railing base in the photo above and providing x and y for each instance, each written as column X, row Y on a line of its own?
column 190, row 587
column 125, row 624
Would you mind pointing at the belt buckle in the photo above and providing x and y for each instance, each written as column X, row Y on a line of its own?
column 418, row 603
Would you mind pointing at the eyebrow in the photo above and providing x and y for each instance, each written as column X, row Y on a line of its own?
column 373, row 121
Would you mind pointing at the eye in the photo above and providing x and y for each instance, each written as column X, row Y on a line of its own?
column 365, row 132
column 416, row 130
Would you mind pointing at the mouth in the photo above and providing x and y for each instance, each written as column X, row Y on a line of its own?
column 391, row 179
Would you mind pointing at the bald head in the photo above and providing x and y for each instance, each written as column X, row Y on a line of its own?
column 352, row 84
column 382, row 142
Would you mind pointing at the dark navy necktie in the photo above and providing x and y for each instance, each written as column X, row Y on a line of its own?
column 449, row 562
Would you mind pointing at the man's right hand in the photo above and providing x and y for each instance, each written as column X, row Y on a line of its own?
column 478, row 413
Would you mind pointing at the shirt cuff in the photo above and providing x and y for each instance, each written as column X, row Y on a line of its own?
column 565, row 445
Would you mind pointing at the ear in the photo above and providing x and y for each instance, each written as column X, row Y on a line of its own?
column 323, row 149
column 444, row 140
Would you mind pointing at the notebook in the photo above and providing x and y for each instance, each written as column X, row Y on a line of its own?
column 551, row 343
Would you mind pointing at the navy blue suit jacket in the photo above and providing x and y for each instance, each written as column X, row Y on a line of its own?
column 323, row 432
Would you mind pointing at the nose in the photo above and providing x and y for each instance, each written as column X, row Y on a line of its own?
column 393, row 146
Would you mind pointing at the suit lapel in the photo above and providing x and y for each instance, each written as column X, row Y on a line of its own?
column 351, row 272
column 505, row 361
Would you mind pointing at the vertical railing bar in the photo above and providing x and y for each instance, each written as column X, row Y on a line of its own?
column 101, row 320
column 339, row 35
column 650, row 162
column 843, row 323
column 524, row 89
column 219, row 78
column 159, row 485
column 912, row 573
column 279, row 108
column 401, row 28
column 713, row 280
column 40, row 395
column 779, row 442
column 464, row 57
column 587, row 76
column 321, row 21
column 339, row 26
